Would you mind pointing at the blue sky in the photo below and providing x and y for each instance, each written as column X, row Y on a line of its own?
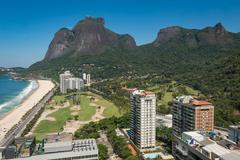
column 28, row 26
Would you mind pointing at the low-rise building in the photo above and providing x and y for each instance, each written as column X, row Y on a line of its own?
column 85, row 149
column 195, row 145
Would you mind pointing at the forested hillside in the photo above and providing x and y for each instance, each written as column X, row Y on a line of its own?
column 207, row 60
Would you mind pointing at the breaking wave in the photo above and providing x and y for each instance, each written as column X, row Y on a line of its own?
column 20, row 97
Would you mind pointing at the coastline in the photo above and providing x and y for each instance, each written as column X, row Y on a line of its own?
column 22, row 100
column 13, row 117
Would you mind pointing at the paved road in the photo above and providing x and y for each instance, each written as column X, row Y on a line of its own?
column 22, row 124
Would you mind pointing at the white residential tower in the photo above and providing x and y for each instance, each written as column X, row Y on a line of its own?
column 143, row 117
column 67, row 81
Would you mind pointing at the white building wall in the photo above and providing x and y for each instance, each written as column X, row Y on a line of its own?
column 64, row 84
column 88, row 80
column 147, row 127
column 69, row 82
column 84, row 76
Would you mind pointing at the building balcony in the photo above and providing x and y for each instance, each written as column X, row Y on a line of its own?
column 181, row 150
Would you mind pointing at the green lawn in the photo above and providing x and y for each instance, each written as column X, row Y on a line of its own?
column 59, row 99
column 86, row 111
column 46, row 126
column 62, row 115
column 110, row 108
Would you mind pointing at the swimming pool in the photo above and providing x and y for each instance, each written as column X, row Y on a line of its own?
column 151, row 155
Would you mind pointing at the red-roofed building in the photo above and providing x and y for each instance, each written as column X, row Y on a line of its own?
column 131, row 90
column 191, row 114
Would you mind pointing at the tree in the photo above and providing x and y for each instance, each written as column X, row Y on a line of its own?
column 103, row 152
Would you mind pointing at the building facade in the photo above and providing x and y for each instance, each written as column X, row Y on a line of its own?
column 88, row 82
column 191, row 114
column 67, row 81
column 143, row 117
column 64, row 85
column 84, row 76
column 85, row 149
column 234, row 133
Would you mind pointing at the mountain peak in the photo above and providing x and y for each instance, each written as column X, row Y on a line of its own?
column 216, row 35
column 89, row 21
column 219, row 28
column 89, row 36
column 218, row 25
column 99, row 20
column 167, row 34
column 171, row 29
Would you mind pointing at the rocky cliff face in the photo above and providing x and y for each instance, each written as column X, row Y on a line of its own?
column 89, row 36
column 216, row 35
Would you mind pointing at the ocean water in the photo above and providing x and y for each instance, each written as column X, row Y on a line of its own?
column 13, row 92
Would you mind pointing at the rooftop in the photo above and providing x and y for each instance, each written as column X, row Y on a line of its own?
column 230, row 156
column 198, row 103
column 142, row 93
column 217, row 149
column 235, row 126
column 193, row 135
column 195, row 101
column 205, row 141
column 67, row 149
column 57, row 144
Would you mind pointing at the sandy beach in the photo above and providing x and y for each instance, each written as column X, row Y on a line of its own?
column 12, row 118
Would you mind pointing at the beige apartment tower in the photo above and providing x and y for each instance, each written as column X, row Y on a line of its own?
column 143, row 117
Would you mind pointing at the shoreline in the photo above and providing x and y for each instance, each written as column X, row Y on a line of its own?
column 22, row 100
column 14, row 117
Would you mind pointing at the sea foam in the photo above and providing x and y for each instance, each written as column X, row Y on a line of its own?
column 21, row 96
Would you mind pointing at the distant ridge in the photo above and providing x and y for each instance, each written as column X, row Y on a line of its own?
column 206, row 59
column 216, row 35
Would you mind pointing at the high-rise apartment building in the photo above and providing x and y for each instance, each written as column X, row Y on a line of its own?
column 143, row 117
column 67, row 81
column 191, row 114
column 63, row 83
column 88, row 83
column 84, row 76
column 76, row 83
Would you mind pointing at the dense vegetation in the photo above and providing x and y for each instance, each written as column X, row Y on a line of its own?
column 213, row 69
column 91, row 130
column 164, row 134
column 103, row 153
column 109, row 125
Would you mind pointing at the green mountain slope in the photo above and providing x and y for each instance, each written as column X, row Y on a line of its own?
column 206, row 59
